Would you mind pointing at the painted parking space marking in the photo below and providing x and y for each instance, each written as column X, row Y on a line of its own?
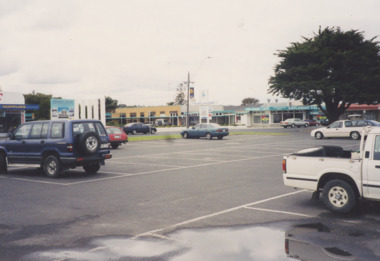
column 149, row 233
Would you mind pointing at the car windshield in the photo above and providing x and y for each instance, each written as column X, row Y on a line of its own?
column 374, row 123
column 114, row 131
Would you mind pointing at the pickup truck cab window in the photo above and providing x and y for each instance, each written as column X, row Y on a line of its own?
column 376, row 151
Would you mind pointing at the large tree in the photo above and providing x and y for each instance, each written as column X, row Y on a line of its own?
column 333, row 68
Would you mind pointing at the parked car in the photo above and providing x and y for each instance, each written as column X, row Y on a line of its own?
column 341, row 129
column 57, row 146
column 208, row 130
column 313, row 122
column 162, row 122
column 117, row 136
column 324, row 122
column 135, row 128
column 294, row 122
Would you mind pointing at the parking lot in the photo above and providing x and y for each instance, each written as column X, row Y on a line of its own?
column 179, row 199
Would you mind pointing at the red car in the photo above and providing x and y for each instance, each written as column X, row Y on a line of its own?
column 117, row 136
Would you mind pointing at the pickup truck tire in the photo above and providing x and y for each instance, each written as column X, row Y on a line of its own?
column 339, row 196
column 319, row 135
column 3, row 164
column 89, row 142
column 91, row 168
column 355, row 135
column 52, row 166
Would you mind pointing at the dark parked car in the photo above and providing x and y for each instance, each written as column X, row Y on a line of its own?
column 57, row 146
column 135, row 128
column 209, row 131
column 312, row 122
column 117, row 136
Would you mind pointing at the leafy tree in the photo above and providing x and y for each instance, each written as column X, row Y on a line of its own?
column 111, row 104
column 249, row 100
column 333, row 68
column 43, row 100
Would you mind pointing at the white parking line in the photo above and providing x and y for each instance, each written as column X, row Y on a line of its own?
column 149, row 233
column 278, row 211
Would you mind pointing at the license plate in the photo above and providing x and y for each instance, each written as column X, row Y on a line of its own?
column 117, row 136
column 104, row 146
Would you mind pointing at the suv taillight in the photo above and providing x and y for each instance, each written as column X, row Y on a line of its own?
column 284, row 165
column 70, row 147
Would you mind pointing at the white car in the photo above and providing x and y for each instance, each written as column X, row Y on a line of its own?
column 340, row 129
column 294, row 122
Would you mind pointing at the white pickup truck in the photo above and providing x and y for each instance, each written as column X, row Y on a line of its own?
column 342, row 176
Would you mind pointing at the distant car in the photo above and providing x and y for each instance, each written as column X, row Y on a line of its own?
column 135, row 128
column 313, row 122
column 342, row 128
column 117, row 136
column 324, row 122
column 208, row 130
column 294, row 122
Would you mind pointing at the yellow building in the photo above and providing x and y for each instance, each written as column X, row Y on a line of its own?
column 166, row 114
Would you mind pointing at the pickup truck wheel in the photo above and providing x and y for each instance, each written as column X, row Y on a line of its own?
column 319, row 135
column 3, row 164
column 355, row 135
column 91, row 168
column 52, row 167
column 89, row 142
column 339, row 196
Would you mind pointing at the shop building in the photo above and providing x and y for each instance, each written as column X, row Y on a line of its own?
column 12, row 111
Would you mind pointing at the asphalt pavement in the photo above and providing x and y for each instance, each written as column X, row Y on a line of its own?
column 182, row 199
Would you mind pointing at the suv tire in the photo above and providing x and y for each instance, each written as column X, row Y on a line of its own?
column 52, row 167
column 3, row 164
column 89, row 142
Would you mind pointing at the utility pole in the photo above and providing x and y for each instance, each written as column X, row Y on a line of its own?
column 188, row 100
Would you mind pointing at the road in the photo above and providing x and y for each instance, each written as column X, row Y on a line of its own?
column 180, row 200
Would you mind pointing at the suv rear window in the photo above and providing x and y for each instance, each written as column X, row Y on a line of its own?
column 82, row 127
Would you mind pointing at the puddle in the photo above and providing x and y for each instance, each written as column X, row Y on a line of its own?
column 306, row 241
column 255, row 243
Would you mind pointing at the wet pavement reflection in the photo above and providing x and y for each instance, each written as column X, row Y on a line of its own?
column 280, row 241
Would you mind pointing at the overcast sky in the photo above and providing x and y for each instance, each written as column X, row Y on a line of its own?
column 138, row 51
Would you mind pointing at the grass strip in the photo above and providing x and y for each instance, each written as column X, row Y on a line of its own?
column 177, row 136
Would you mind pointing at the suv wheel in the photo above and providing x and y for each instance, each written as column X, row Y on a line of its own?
column 91, row 168
column 89, row 142
column 52, row 167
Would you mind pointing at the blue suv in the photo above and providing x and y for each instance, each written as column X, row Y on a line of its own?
column 56, row 146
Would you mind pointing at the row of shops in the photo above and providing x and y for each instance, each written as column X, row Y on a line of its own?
column 260, row 115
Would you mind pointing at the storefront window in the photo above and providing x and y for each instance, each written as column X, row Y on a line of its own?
column 265, row 119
